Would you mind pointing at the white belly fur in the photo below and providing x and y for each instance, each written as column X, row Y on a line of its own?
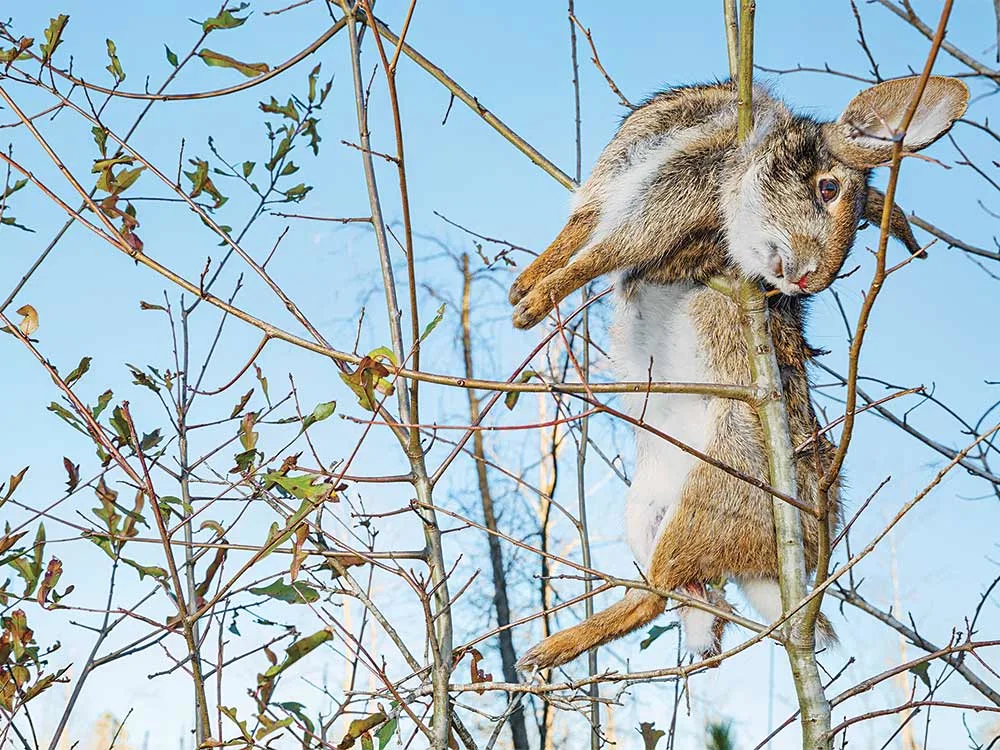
column 656, row 322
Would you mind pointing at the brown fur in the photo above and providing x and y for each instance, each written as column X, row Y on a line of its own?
column 723, row 527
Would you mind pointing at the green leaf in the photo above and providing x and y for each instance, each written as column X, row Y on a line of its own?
column 510, row 400
column 359, row 730
column 383, row 352
column 171, row 57
column 146, row 570
column 30, row 569
column 218, row 60
column 313, row 75
column 309, row 129
column 298, row 650
column 277, row 535
column 45, row 682
column 79, row 372
column 302, row 487
column 285, row 110
column 429, row 328
column 322, row 411
column 263, row 383
column 650, row 734
column 141, row 378
column 248, row 167
column 280, row 152
column 920, row 670
column 102, row 403
column 53, row 36
column 244, row 461
column 201, row 182
column 14, row 188
column 655, row 632
column 100, row 165
column 298, row 193
column 67, row 416
column 298, row 711
column 101, row 139
column 225, row 20
column 719, row 736
column 151, row 439
column 269, row 727
column 120, row 424
column 297, row 593
column 241, row 723
column 241, row 404
column 385, row 733
column 167, row 503
column 215, row 526
column 11, row 221
column 17, row 52
column 126, row 178
column 115, row 67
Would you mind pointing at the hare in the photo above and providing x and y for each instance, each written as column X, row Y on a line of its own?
column 673, row 201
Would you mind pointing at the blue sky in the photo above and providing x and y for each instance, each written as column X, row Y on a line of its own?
column 932, row 324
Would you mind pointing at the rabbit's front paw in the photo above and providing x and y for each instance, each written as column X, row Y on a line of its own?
column 520, row 288
column 531, row 310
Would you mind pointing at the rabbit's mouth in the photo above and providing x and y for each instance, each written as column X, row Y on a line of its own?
column 788, row 277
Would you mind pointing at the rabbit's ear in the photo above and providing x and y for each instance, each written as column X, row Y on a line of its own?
column 899, row 227
column 863, row 136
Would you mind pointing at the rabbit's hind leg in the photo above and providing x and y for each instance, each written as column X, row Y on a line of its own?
column 636, row 609
column 703, row 630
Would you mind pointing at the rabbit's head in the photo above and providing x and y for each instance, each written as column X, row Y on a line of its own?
column 794, row 203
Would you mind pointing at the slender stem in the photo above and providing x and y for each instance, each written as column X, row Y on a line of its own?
column 732, row 37
column 440, row 629
column 773, row 414
column 744, row 117
column 183, row 404
column 581, row 453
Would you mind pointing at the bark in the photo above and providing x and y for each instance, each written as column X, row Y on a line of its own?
column 508, row 657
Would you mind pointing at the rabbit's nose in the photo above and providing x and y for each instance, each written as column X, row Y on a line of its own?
column 803, row 282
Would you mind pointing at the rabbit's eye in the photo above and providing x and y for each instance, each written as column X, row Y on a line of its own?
column 829, row 189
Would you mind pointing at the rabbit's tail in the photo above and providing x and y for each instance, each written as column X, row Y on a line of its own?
column 636, row 609
column 826, row 636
